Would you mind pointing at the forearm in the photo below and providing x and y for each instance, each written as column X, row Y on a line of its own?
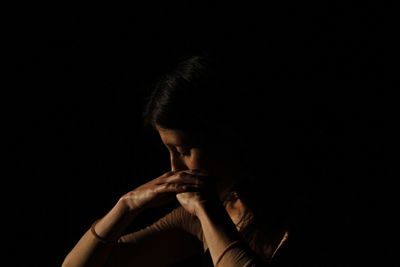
column 218, row 229
column 227, row 248
column 92, row 251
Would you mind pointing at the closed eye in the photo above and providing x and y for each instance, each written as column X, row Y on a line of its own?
column 183, row 151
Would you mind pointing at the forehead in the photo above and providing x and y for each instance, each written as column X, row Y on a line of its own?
column 173, row 136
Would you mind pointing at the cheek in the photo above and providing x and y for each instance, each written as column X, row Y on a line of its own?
column 199, row 160
column 196, row 162
column 207, row 162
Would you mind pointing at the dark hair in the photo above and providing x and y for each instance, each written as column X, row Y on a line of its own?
column 222, row 101
column 196, row 97
column 217, row 102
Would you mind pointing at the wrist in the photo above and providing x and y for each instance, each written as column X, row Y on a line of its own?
column 126, row 206
column 110, row 227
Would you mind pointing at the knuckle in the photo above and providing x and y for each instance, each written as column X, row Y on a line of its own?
column 160, row 188
column 181, row 175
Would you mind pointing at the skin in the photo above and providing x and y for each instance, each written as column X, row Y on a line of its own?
column 195, row 180
column 193, row 160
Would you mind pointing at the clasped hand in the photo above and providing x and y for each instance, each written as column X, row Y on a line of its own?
column 190, row 187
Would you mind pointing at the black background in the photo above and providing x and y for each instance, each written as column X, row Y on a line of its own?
column 79, row 80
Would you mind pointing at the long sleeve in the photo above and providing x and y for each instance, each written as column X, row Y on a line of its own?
column 237, row 254
column 169, row 240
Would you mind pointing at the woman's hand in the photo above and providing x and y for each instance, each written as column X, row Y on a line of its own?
column 189, row 187
column 205, row 191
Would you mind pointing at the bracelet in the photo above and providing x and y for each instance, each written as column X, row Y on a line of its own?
column 102, row 240
column 226, row 250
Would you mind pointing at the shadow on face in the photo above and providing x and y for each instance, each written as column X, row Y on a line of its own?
column 186, row 154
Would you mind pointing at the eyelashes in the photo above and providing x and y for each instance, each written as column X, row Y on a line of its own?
column 183, row 151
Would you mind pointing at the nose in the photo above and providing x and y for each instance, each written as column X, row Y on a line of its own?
column 177, row 163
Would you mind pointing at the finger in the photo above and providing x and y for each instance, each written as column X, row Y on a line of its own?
column 199, row 172
column 170, row 173
column 166, row 175
column 184, row 181
column 176, row 188
column 198, row 175
column 177, row 176
column 184, row 178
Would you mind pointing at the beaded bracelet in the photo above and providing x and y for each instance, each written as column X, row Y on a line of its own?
column 102, row 240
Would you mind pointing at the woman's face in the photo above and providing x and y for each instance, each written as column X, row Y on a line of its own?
column 186, row 155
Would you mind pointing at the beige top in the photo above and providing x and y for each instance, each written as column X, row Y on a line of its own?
column 175, row 236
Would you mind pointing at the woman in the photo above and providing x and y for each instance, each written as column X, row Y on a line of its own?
column 209, row 131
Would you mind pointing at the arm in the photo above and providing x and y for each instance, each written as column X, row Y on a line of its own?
column 223, row 240
column 161, row 244
column 164, row 243
column 219, row 232
column 92, row 251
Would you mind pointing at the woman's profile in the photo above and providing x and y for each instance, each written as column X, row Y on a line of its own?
column 229, row 209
